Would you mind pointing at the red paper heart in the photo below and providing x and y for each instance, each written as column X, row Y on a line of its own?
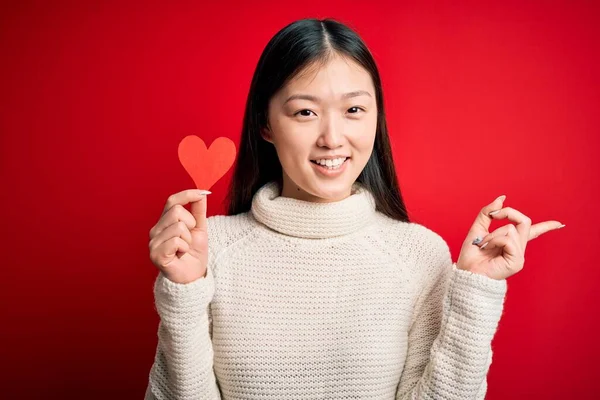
column 206, row 166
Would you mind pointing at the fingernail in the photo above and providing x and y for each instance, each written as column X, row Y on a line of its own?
column 203, row 192
column 562, row 226
column 482, row 247
column 503, row 197
column 477, row 240
column 493, row 212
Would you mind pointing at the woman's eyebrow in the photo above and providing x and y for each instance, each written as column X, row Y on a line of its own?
column 315, row 99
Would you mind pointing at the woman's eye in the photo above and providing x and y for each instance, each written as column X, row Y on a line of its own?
column 304, row 113
column 307, row 112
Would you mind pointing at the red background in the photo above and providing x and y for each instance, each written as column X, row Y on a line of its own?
column 482, row 100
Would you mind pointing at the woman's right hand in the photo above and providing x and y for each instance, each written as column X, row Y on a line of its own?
column 179, row 240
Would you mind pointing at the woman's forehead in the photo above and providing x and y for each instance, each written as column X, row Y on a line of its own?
column 337, row 76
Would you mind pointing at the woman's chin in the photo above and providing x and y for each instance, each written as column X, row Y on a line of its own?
column 331, row 191
column 318, row 189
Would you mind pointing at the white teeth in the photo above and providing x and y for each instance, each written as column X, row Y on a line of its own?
column 331, row 164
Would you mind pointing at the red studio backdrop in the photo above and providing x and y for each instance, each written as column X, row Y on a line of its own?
column 482, row 99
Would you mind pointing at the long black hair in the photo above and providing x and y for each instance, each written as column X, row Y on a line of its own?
column 294, row 47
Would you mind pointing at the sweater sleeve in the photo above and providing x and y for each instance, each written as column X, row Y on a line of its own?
column 449, row 343
column 183, row 364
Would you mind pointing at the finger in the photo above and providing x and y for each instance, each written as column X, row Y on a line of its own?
column 482, row 223
column 165, row 253
column 522, row 221
column 509, row 245
column 173, row 215
column 177, row 229
column 184, row 197
column 199, row 213
column 502, row 231
column 543, row 227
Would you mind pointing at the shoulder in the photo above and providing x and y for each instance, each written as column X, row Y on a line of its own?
column 422, row 251
column 225, row 230
column 415, row 242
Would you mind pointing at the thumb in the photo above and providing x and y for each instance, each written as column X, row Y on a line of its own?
column 483, row 221
column 198, row 210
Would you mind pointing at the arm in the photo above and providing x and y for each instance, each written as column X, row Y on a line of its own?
column 183, row 365
column 449, row 342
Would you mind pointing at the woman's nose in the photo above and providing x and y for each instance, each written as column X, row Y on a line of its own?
column 332, row 135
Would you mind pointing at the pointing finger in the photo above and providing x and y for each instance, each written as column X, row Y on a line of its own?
column 543, row 227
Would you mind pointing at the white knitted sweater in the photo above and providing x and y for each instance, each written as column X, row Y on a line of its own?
column 324, row 301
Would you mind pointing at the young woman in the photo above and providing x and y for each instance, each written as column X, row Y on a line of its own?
column 317, row 285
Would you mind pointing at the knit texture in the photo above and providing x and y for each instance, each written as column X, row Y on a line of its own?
column 334, row 300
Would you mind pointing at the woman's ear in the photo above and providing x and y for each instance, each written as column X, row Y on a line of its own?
column 266, row 134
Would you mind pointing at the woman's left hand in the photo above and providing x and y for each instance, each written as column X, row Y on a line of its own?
column 501, row 253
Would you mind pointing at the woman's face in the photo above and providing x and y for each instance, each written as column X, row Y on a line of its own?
column 325, row 115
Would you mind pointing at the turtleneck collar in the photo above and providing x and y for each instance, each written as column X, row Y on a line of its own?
column 306, row 219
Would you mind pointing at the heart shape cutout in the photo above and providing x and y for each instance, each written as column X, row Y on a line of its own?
column 206, row 166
